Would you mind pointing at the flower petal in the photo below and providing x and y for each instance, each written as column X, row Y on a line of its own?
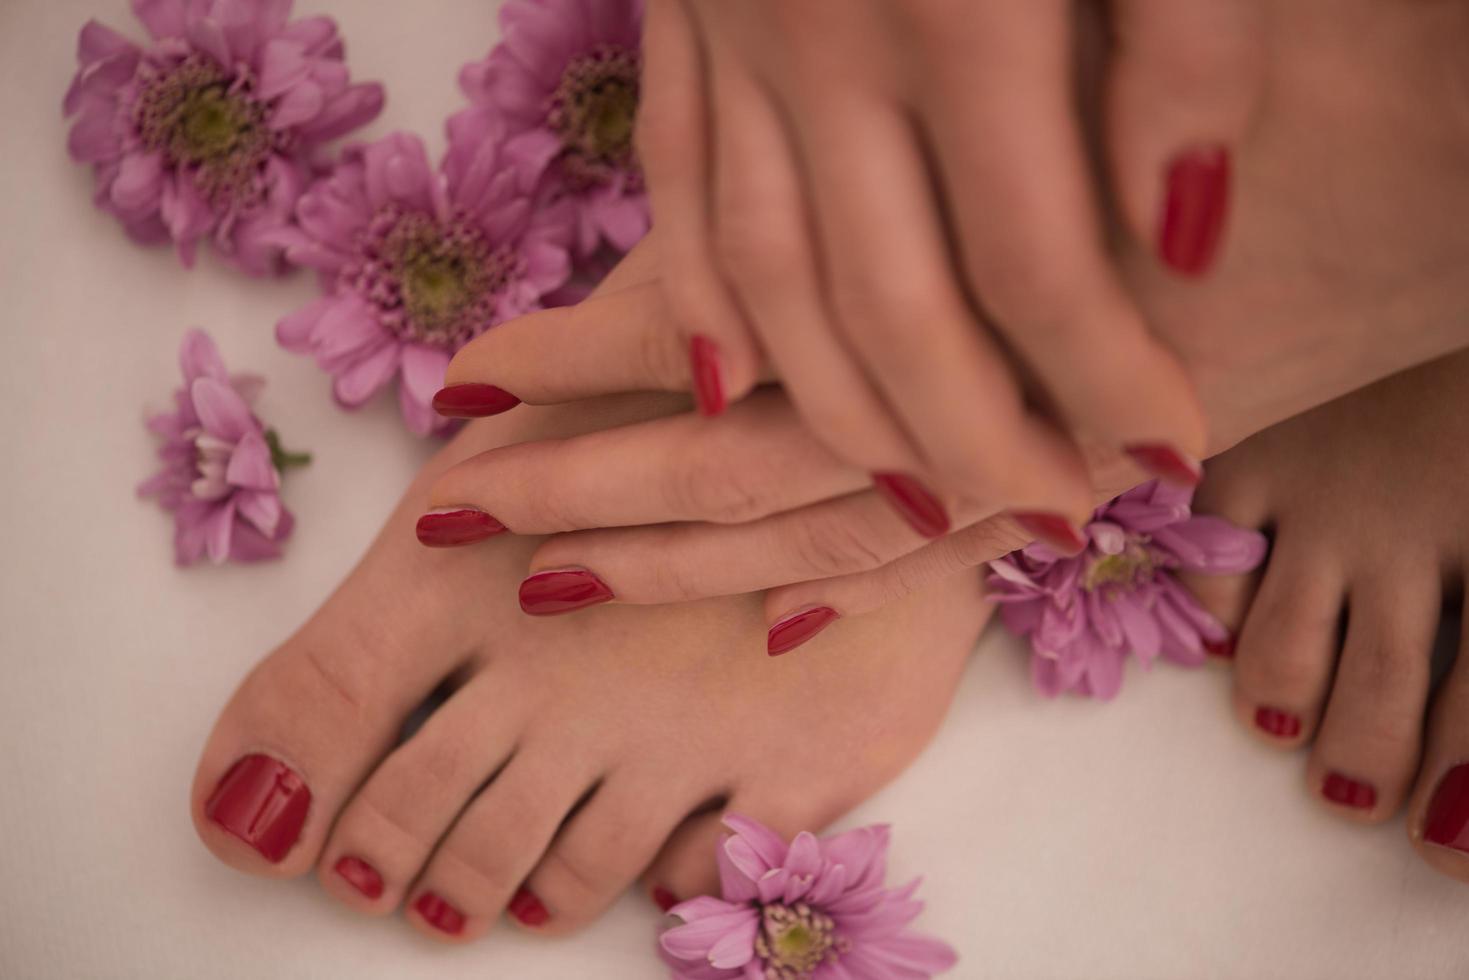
column 250, row 465
column 221, row 409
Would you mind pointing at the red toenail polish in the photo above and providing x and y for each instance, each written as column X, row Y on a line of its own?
column 914, row 502
column 263, row 802
column 1447, row 823
column 451, row 528
column 439, row 913
column 1281, row 724
column 1223, row 649
column 473, row 401
column 1349, row 792
column 663, row 898
column 1193, row 213
column 704, row 369
column 562, row 590
column 528, row 909
column 360, row 875
column 1166, row 463
column 1052, row 529
column 791, row 632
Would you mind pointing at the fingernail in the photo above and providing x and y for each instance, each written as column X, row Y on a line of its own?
column 1349, row 792
column 1281, row 724
column 263, row 802
column 360, row 875
column 527, row 908
column 1166, row 463
column 1223, row 649
column 562, row 590
column 663, row 898
column 473, row 401
column 451, row 528
column 1194, row 209
column 797, row 628
column 439, row 913
column 914, row 502
column 1447, row 823
column 1053, row 529
column 704, row 367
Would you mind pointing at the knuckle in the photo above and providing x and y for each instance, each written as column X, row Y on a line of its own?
column 707, row 487
column 983, row 542
column 662, row 359
column 832, row 544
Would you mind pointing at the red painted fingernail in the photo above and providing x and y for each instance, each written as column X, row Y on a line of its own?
column 1447, row 823
column 360, row 875
column 439, row 913
column 562, row 590
column 663, row 898
column 1281, row 724
column 1223, row 649
column 473, row 401
column 263, row 802
column 1053, row 529
column 1193, row 213
column 1349, row 792
column 791, row 632
column 704, row 367
column 527, row 908
column 1166, row 463
column 449, row 529
column 914, row 502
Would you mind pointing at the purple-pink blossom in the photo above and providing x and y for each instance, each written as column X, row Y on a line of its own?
column 211, row 130
column 813, row 909
column 1085, row 614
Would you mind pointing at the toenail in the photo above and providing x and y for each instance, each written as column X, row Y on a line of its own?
column 263, row 802
column 473, row 401
column 1223, row 649
column 1194, row 208
column 528, row 909
column 797, row 628
column 1349, row 792
column 1166, row 463
column 361, row 876
column 452, row 528
column 1054, row 530
column 1447, row 823
column 439, row 914
column 1281, row 724
column 663, row 898
column 562, row 590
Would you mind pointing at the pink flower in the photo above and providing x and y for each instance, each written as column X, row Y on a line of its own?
column 211, row 129
column 815, row 909
column 564, row 78
column 416, row 263
column 1085, row 614
column 220, row 474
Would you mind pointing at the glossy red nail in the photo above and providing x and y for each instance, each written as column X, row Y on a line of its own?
column 1197, row 200
column 527, row 908
column 562, row 590
column 1349, row 792
column 914, row 502
column 1166, row 463
column 263, row 802
column 452, row 528
column 1447, row 822
column 663, row 898
column 1223, row 649
column 360, row 875
column 1052, row 529
column 797, row 628
column 1281, row 724
column 473, row 401
column 704, row 368
column 439, row 913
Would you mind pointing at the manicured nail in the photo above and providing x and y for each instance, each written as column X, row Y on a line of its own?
column 1193, row 212
column 914, row 502
column 663, row 898
column 704, row 368
column 473, row 401
column 440, row 914
column 1166, row 463
column 1052, row 529
column 527, row 908
column 1281, row 724
column 263, row 802
column 1223, row 649
column 797, row 628
column 360, row 875
column 562, row 590
column 452, row 528
column 1447, row 823
column 1349, row 792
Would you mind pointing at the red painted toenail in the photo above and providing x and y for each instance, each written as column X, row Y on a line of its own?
column 1223, row 649
column 473, row 401
column 1281, row 724
column 528, row 909
column 663, row 898
column 1194, row 210
column 914, row 502
column 704, row 369
column 1166, row 463
column 1349, row 792
column 791, row 632
column 449, row 529
column 263, row 802
column 1052, row 529
column 360, row 875
column 1447, row 823
column 439, row 914
column 562, row 590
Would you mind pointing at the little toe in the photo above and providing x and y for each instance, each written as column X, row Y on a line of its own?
column 1438, row 814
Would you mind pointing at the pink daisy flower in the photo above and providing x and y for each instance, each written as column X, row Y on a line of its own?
column 211, row 130
column 813, row 909
column 1085, row 614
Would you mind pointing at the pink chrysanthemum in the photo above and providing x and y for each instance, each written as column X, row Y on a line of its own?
column 564, row 78
column 1085, row 614
column 815, row 909
column 212, row 129
column 220, row 477
column 416, row 263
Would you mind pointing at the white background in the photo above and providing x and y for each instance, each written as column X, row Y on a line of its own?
column 1145, row 839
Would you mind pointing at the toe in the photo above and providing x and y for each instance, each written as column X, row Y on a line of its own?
column 1230, row 492
column 1438, row 815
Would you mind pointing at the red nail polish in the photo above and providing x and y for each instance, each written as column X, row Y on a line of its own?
column 1281, row 724
column 1447, row 823
column 793, row 630
column 360, row 875
column 914, row 502
column 704, row 368
column 1223, row 649
column 663, row 898
column 263, row 802
column 1052, row 529
column 562, row 590
column 473, row 401
column 1349, row 792
column 527, row 908
column 1193, row 212
column 439, row 913
column 449, row 529
column 1166, row 463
